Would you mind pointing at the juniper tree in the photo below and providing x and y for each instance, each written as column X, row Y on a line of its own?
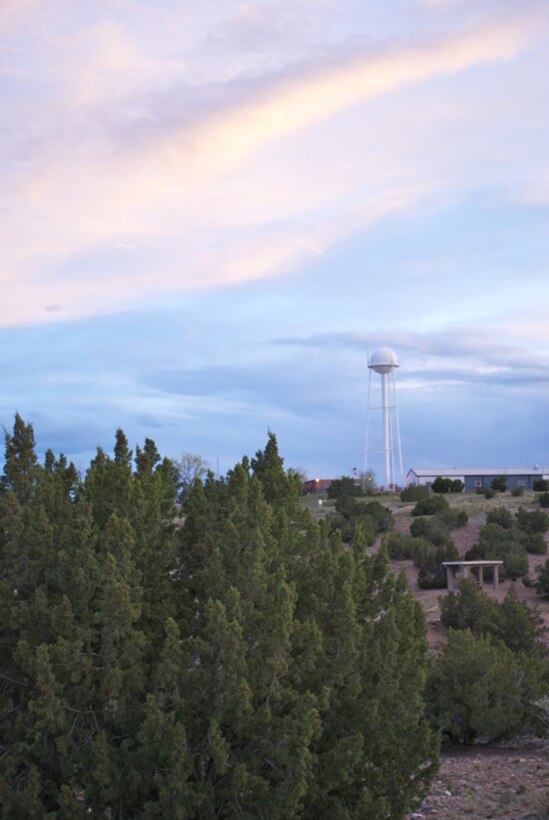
column 256, row 667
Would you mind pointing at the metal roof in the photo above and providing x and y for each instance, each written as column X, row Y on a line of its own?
column 448, row 472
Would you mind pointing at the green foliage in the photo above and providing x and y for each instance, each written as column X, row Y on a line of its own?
column 512, row 621
column 400, row 546
column 499, row 484
column 475, row 689
column 487, row 492
column 532, row 522
column 428, row 558
column 447, row 485
column 453, row 518
column 430, row 505
column 20, row 467
column 433, row 529
column 344, row 486
column 382, row 515
column 414, row 492
column 497, row 543
column 542, row 583
column 543, row 500
column 540, row 485
column 517, row 492
column 501, row 516
column 533, row 543
column 245, row 665
column 351, row 511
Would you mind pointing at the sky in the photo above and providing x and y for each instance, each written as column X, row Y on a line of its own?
column 213, row 212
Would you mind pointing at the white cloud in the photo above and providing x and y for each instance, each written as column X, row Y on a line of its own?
column 255, row 186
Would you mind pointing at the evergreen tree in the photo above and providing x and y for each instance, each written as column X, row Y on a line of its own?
column 246, row 664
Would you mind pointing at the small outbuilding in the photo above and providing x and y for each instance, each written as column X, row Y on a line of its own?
column 479, row 477
column 457, row 571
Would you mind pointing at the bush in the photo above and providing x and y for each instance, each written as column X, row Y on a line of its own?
column 501, row 516
column 433, row 529
column 399, row 545
column 540, row 485
column 453, row 518
column 535, row 521
column 428, row 559
column 382, row 515
column 344, row 486
column 414, row 492
column 471, row 608
column 497, row 543
column 430, row 505
column 487, row 492
column 544, row 500
column 347, row 526
column 542, row 584
column 499, row 484
column 517, row 491
column 347, row 505
column 533, row 542
column 447, row 485
column 512, row 621
column 519, row 626
column 474, row 689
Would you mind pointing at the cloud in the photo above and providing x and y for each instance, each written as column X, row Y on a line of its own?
column 456, row 355
column 209, row 195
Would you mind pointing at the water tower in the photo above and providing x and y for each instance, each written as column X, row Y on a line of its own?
column 384, row 362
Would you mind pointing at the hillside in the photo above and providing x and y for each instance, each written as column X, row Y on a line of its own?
column 476, row 507
column 509, row 781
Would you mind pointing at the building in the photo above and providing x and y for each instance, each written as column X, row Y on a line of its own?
column 481, row 476
column 316, row 485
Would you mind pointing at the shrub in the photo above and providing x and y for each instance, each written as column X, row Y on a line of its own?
column 517, row 625
column 497, row 543
column 399, row 545
column 543, row 500
column 428, row 559
column 487, row 492
column 344, row 486
column 471, row 608
column 433, row 529
column 430, row 505
column 542, row 583
column 535, row 521
column 501, row 516
column 540, row 485
column 347, row 526
column 453, row 518
column 474, row 689
column 517, row 491
column 338, row 522
column 347, row 505
column 382, row 515
column 533, row 542
column 414, row 492
column 447, row 485
column 511, row 621
column 499, row 484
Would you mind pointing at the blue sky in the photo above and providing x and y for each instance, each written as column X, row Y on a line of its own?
column 212, row 212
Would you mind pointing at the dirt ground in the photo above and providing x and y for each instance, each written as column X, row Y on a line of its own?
column 510, row 782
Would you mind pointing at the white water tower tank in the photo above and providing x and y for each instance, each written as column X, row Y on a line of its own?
column 384, row 361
